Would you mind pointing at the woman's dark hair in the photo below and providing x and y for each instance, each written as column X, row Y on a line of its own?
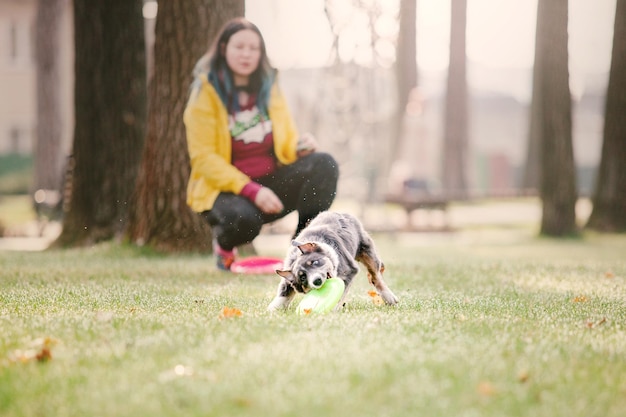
column 221, row 77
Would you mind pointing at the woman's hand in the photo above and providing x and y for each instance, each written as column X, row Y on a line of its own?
column 268, row 202
column 307, row 144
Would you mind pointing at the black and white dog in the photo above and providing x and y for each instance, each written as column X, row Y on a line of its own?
column 329, row 246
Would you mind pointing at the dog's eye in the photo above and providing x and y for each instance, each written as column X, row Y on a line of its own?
column 302, row 276
column 315, row 262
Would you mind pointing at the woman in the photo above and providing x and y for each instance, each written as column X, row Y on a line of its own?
column 249, row 166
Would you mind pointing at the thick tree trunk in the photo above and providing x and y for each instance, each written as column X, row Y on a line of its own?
column 456, row 113
column 609, row 200
column 48, row 148
column 159, row 215
column 110, row 105
column 558, row 174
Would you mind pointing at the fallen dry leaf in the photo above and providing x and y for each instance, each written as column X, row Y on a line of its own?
column 591, row 324
column 580, row 299
column 308, row 310
column 376, row 299
column 228, row 312
column 523, row 376
column 486, row 389
column 609, row 274
column 40, row 351
column 43, row 355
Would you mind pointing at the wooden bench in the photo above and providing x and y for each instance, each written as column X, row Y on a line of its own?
column 419, row 201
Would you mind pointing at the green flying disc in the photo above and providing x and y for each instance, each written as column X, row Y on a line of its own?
column 323, row 299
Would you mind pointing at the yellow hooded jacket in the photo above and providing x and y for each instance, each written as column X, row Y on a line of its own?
column 210, row 147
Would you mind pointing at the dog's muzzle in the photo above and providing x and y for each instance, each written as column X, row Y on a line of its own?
column 304, row 281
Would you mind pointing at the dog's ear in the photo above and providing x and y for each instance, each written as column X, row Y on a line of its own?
column 305, row 247
column 287, row 274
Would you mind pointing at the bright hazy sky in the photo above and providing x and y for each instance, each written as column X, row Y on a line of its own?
column 500, row 33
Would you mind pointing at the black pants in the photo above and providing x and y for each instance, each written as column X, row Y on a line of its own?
column 307, row 186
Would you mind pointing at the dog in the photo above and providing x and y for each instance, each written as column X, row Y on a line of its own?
column 330, row 246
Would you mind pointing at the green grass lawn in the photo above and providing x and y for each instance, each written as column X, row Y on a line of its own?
column 531, row 327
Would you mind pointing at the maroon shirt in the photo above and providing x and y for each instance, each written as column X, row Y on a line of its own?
column 252, row 145
column 252, row 141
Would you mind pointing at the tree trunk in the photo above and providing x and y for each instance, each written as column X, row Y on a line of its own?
column 48, row 148
column 609, row 200
column 159, row 215
column 558, row 175
column 456, row 117
column 406, row 71
column 532, row 171
column 110, row 105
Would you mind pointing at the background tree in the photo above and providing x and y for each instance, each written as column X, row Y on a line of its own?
column 48, row 147
column 609, row 200
column 455, row 144
column 159, row 215
column 406, row 68
column 558, row 175
column 532, row 169
column 110, row 108
column 359, row 111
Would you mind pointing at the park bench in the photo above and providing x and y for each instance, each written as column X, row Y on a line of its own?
column 426, row 203
column 416, row 196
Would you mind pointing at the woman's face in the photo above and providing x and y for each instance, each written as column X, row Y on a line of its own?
column 243, row 53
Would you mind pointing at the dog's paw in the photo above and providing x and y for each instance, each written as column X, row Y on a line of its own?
column 389, row 297
column 278, row 303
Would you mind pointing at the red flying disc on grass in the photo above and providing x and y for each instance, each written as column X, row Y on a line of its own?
column 257, row 265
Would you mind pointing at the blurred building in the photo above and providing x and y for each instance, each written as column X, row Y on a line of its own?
column 18, row 96
column 17, row 76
